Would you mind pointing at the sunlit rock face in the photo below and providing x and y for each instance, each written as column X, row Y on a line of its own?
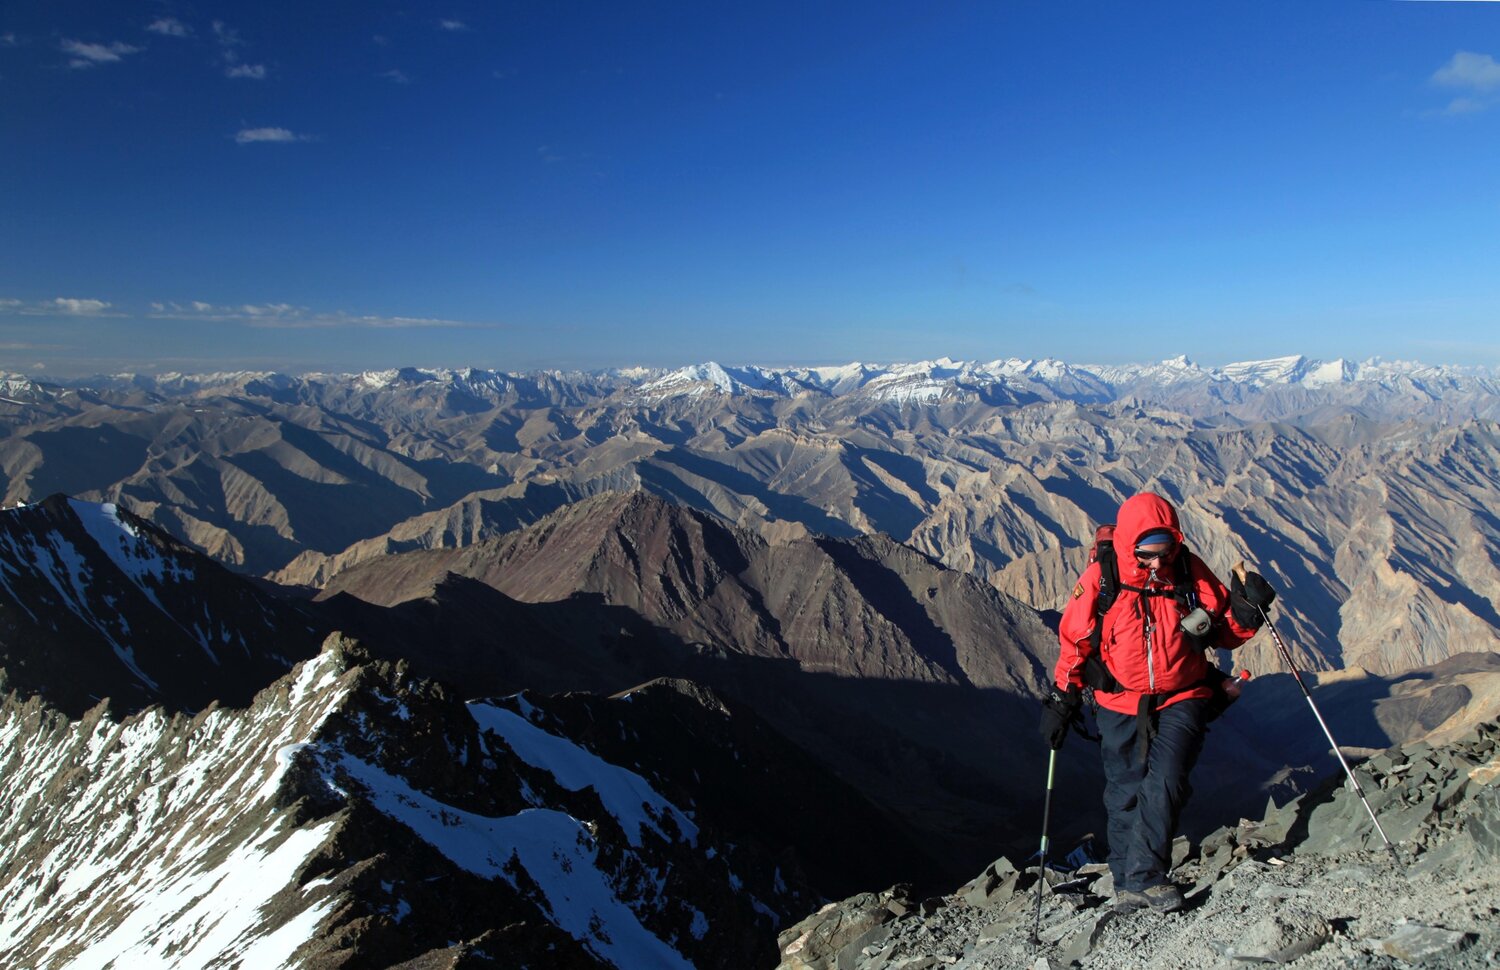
column 1361, row 489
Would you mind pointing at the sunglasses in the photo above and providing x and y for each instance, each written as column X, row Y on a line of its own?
column 1159, row 556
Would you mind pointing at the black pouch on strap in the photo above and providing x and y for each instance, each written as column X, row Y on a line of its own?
column 1220, row 700
column 1097, row 676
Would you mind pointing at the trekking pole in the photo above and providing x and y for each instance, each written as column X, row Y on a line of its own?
column 1041, row 867
column 1286, row 655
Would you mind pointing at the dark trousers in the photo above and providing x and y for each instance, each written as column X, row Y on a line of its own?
column 1144, row 797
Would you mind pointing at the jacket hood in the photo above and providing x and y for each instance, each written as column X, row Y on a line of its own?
column 1139, row 515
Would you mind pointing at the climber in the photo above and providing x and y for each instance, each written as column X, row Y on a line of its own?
column 1136, row 642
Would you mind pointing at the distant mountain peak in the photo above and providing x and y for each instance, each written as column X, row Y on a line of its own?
column 705, row 378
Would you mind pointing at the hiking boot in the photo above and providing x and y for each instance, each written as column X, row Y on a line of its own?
column 1165, row 898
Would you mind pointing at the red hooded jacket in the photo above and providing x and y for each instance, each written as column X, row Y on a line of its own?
column 1143, row 644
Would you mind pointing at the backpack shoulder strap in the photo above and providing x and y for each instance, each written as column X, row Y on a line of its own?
column 1187, row 596
column 1109, row 567
column 1096, row 674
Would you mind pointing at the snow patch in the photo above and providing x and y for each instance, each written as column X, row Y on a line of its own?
column 197, row 919
column 555, row 849
column 626, row 795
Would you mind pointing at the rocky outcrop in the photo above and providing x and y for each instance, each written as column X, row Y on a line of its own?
column 1308, row 885
column 1270, row 745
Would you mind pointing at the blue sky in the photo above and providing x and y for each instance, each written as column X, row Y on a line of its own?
column 513, row 185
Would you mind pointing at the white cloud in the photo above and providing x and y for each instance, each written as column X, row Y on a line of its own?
column 171, row 309
column 270, row 310
column 226, row 36
column 1464, row 106
column 9, row 40
column 62, row 306
column 1477, row 78
column 246, row 136
column 456, row 26
column 271, row 316
column 169, row 27
column 93, row 55
column 286, row 316
column 69, row 306
column 229, row 43
column 396, row 76
column 255, row 72
column 1477, row 72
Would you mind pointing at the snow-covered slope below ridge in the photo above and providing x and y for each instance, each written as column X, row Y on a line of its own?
column 352, row 816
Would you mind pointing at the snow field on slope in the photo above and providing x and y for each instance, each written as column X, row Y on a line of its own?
column 146, row 802
column 626, row 795
column 130, row 551
column 139, row 561
column 558, row 852
column 68, row 573
column 196, row 918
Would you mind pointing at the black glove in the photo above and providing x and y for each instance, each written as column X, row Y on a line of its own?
column 1059, row 710
column 1248, row 597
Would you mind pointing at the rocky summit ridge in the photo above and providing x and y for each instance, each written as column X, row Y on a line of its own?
column 1309, row 885
column 356, row 816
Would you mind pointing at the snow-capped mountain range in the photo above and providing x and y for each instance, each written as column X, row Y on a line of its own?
column 926, row 380
column 993, row 468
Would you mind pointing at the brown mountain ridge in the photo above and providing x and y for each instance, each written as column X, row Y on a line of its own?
column 910, row 680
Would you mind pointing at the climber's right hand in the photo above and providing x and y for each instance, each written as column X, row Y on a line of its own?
column 1059, row 710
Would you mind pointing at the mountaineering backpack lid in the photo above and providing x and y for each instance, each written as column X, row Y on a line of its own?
column 1104, row 538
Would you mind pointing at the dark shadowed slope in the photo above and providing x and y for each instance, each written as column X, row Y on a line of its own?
column 95, row 603
column 915, row 683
